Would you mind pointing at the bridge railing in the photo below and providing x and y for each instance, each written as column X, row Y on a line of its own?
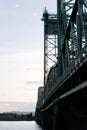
column 72, row 68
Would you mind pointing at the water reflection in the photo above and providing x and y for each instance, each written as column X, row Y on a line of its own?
column 19, row 125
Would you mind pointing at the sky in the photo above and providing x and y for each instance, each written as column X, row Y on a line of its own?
column 21, row 51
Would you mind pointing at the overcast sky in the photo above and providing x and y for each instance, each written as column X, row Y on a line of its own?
column 21, row 48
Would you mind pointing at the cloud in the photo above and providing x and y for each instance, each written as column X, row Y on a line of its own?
column 17, row 5
column 17, row 106
column 33, row 82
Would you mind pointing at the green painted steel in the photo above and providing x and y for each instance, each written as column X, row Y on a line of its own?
column 40, row 97
column 66, row 34
column 62, row 101
column 50, row 43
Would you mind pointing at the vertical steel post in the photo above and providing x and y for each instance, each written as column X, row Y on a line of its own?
column 45, row 18
column 50, row 43
column 59, row 6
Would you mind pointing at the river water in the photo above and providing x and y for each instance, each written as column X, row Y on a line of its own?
column 19, row 125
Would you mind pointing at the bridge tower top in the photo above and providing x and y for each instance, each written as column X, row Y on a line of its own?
column 65, row 36
column 50, row 42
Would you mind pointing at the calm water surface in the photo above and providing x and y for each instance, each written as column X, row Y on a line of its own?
column 21, row 125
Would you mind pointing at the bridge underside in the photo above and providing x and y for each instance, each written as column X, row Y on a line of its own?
column 66, row 109
column 68, row 113
column 72, row 111
column 74, row 83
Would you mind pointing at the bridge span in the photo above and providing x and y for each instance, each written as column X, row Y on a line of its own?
column 62, row 100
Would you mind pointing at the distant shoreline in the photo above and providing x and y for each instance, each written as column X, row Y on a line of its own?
column 16, row 117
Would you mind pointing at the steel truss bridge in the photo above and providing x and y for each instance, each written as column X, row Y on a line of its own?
column 62, row 102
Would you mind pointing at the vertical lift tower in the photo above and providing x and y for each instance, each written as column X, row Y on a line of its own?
column 50, row 43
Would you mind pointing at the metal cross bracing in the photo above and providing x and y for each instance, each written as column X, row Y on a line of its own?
column 65, row 65
column 74, row 30
column 72, row 39
column 50, row 42
column 76, row 33
column 50, row 52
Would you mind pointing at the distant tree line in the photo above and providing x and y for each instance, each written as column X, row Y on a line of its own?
column 16, row 117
